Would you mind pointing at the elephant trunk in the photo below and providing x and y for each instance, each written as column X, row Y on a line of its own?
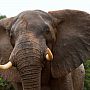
column 27, row 58
column 30, row 70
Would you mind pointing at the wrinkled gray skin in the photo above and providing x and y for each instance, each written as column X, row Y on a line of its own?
column 26, row 38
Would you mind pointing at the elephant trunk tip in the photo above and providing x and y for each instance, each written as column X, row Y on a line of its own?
column 6, row 66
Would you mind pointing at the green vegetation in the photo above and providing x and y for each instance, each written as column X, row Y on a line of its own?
column 5, row 85
column 3, row 16
column 87, row 76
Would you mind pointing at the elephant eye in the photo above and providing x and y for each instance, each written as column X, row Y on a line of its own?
column 46, row 30
column 47, row 33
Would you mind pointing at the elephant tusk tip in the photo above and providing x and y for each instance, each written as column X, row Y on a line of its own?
column 49, row 55
column 49, row 58
column 6, row 66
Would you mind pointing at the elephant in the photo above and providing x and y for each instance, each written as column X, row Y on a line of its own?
column 46, row 49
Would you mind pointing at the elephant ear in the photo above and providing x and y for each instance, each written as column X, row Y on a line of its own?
column 6, row 49
column 5, row 45
column 72, row 46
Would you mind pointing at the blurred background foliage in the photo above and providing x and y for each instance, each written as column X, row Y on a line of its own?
column 5, row 85
column 87, row 76
column 2, row 16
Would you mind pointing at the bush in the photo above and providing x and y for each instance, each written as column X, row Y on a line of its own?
column 5, row 85
column 3, row 16
column 87, row 75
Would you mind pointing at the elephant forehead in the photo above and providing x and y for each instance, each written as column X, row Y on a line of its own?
column 30, row 23
column 25, row 20
column 34, row 15
column 28, row 15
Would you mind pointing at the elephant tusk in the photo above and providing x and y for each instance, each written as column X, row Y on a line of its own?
column 6, row 66
column 49, row 55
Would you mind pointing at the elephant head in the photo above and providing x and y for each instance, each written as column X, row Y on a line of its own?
column 34, row 34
